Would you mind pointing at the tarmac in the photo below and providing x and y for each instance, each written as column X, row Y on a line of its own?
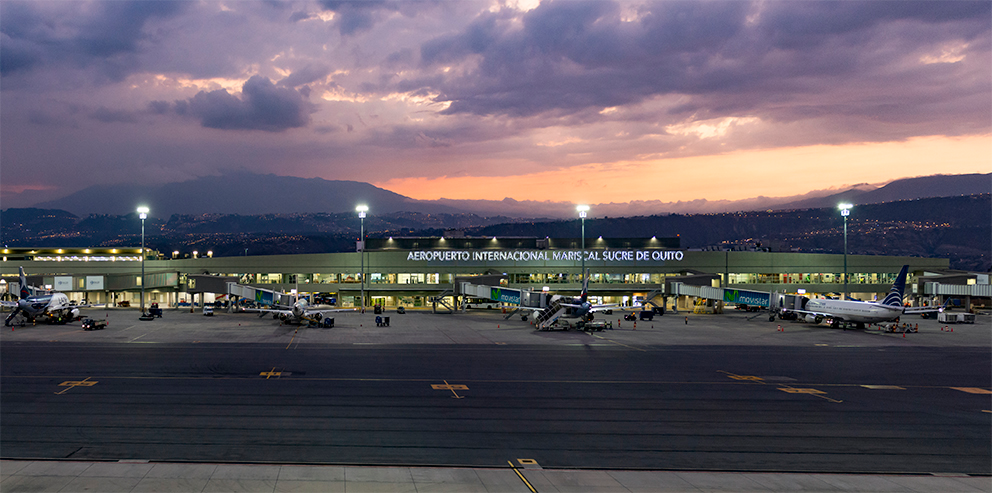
column 179, row 326
column 134, row 477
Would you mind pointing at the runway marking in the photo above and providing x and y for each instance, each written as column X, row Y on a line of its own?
column 747, row 378
column 783, row 388
column 293, row 338
column 72, row 384
column 973, row 390
column 273, row 373
column 793, row 390
column 812, row 392
column 884, row 387
column 451, row 387
column 619, row 343
column 521, row 476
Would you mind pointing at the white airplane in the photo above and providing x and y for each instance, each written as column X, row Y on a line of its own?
column 299, row 312
column 579, row 307
column 54, row 307
column 861, row 312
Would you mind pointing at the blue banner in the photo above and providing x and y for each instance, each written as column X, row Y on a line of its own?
column 745, row 297
column 511, row 296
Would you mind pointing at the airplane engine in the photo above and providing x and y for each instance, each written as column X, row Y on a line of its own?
column 813, row 319
column 74, row 313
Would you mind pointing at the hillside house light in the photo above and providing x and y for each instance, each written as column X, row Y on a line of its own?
column 583, row 210
column 845, row 210
column 143, row 214
column 362, row 209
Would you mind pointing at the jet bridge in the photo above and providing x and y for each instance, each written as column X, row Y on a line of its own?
column 260, row 296
column 762, row 299
column 507, row 296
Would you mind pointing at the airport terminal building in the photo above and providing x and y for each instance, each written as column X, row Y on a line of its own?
column 412, row 272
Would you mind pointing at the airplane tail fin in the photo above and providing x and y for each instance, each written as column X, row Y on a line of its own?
column 894, row 297
column 585, row 286
column 24, row 285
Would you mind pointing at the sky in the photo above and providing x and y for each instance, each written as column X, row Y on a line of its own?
column 573, row 101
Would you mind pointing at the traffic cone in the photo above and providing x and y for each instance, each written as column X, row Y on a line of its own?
column 903, row 335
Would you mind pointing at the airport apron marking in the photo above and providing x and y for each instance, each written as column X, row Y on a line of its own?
column 522, row 478
column 783, row 388
column 72, row 384
column 451, row 387
column 973, row 390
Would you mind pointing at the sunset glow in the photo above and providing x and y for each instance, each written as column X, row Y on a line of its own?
column 599, row 101
column 731, row 176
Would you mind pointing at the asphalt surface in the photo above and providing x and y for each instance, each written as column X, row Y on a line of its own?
column 477, row 390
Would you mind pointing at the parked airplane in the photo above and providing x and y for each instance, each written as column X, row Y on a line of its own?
column 860, row 312
column 298, row 313
column 578, row 307
column 54, row 307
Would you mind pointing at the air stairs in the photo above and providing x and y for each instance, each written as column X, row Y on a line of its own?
column 550, row 314
column 439, row 300
column 13, row 319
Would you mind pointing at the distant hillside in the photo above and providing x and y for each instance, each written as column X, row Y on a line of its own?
column 252, row 194
column 223, row 233
column 958, row 228
column 242, row 193
column 905, row 189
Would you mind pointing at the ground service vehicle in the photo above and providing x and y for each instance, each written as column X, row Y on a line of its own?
column 94, row 323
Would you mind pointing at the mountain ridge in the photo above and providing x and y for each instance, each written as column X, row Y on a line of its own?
column 253, row 194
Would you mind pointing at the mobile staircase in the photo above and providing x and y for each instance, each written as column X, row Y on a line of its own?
column 550, row 314
column 439, row 300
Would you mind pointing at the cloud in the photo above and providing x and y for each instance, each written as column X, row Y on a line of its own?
column 306, row 75
column 101, row 35
column 355, row 17
column 780, row 60
column 261, row 106
column 107, row 115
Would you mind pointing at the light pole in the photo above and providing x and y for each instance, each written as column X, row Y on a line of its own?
column 583, row 209
column 362, row 209
column 845, row 210
column 143, row 214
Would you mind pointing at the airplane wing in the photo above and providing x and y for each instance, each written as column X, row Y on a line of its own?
column 806, row 313
column 323, row 313
column 917, row 310
column 9, row 304
column 531, row 308
column 267, row 310
column 91, row 305
column 592, row 308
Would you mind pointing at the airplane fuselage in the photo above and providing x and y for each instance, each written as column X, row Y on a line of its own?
column 55, row 306
column 855, row 311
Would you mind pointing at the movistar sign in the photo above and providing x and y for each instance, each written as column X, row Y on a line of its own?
column 745, row 297
column 511, row 296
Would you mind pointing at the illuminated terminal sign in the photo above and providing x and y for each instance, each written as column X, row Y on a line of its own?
column 544, row 255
